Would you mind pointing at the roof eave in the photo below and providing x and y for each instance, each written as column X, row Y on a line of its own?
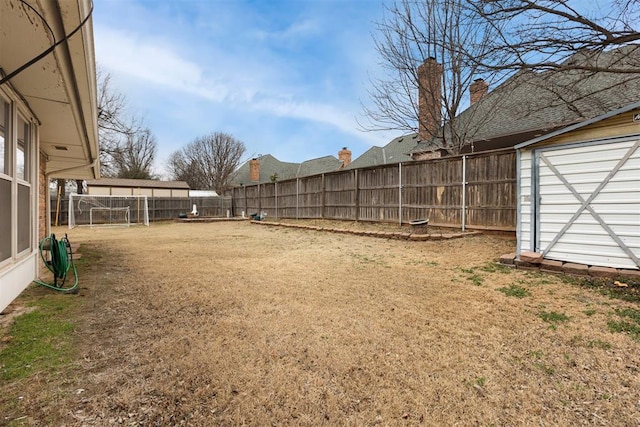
column 60, row 89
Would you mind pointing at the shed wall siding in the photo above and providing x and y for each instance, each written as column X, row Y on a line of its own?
column 525, row 242
column 179, row 193
column 162, row 192
column 617, row 204
column 119, row 191
column 99, row 191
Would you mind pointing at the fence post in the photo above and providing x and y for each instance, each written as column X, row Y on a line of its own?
column 276, row 191
column 464, row 192
column 323, row 200
column 356, row 192
column 400, row 193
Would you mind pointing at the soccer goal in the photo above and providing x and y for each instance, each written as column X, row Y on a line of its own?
column 94, row 210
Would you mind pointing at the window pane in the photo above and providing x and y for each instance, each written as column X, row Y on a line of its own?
column 4, row 150
column 22, row 160
column 5, row 219
column 24, row 217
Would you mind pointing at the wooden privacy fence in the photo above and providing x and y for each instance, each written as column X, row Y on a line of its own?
column 160, row 208
column 472, row 191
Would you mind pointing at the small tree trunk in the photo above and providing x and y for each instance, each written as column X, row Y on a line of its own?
column 61, row 188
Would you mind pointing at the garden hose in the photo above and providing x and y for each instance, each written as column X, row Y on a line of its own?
column 61, row 260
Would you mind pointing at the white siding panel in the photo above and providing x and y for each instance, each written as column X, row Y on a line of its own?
column 99, row 191
column 179, row 193
column 16, row 279
column 617, row 204
column 161, row 192
column 143, row 191
column 121, row 191
column 525, row 238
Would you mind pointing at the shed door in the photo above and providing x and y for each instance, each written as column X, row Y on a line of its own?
column 588, row 203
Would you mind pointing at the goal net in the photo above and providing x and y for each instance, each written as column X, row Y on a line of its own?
column 85, row 209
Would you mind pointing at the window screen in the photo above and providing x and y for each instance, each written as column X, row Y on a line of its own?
column 4, row 149
column 22, row 160
column 24, row 217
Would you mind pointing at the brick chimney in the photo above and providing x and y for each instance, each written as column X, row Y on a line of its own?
column 345, row 156
column 429, row 98
column 254, row 170
column 478, row 89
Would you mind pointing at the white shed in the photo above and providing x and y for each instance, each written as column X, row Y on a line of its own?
column 145, row 187
column 579, row 192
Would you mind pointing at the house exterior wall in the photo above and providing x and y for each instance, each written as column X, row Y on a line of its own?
column 162, row 192
column 43, row 197
column 427, row 155
column 22, row 178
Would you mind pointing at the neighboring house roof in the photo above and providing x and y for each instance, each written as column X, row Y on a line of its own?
column 533, row 103
column 136, row 183
column 395, row 151
column 270, row 166
column 61, row 87
column 317, row 166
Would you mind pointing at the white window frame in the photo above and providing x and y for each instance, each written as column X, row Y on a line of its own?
column 31, row 163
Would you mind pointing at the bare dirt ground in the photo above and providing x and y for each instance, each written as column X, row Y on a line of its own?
column 238, row 324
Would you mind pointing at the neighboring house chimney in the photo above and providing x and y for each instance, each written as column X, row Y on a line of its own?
column 345, row 156
column 478, row 89
column 254, row 170
column 429, row 98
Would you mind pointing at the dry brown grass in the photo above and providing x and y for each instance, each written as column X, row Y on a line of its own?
column 237, row 324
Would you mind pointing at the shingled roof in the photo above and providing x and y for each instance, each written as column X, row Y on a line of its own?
column 531, row 104
column 270, row 166
column 317, row 166
column 395, row 151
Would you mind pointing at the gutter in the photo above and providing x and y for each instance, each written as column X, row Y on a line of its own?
column 93, row 164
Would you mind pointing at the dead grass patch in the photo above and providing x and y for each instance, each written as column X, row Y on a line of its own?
column 230, row 324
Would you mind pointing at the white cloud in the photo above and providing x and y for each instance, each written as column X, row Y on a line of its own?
column 156, row 64
column 129, row 53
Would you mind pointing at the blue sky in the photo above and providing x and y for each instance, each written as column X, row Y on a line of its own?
column 286, row 77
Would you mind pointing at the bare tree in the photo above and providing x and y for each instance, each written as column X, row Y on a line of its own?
column 563, row 55
column 425, row 48
column 134, row 157
column 208, row 162
column 544, row 34
column 116, row 127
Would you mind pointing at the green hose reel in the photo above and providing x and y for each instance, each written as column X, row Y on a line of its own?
column 58, row 257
